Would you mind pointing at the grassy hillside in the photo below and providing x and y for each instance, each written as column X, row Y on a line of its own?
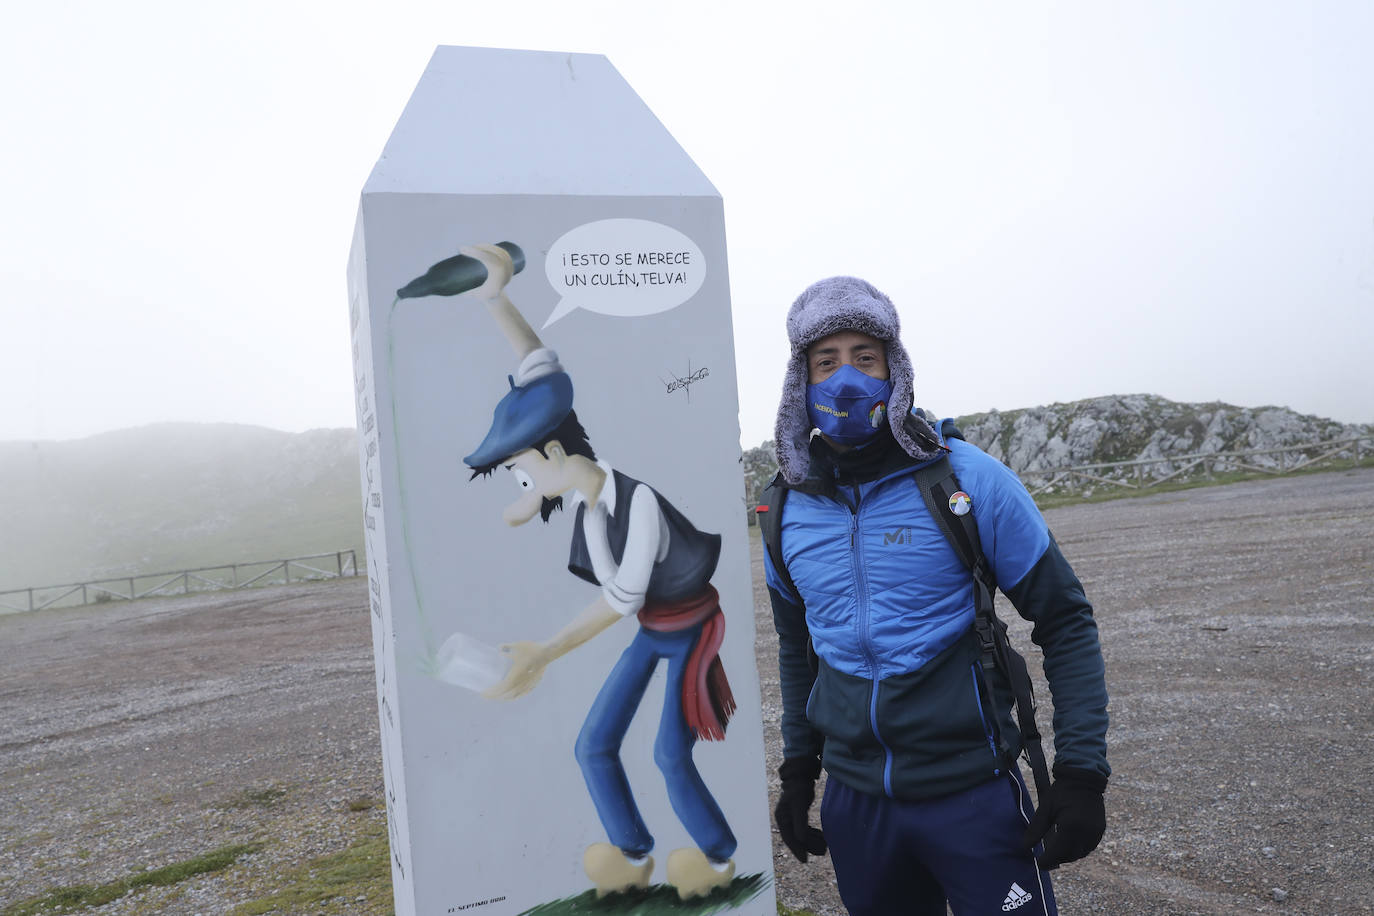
column 174, row 496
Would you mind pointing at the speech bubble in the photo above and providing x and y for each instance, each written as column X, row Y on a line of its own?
column 623, row 267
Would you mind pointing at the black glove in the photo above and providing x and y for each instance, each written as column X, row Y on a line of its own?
column 1071, row 820
column 799, row 775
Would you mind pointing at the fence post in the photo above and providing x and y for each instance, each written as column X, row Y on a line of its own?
column 30, row 599
column 131, row 588
column 338, row 559
column 286, row 570
column 83, row 594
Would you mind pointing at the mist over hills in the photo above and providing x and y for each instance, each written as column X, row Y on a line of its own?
column 175, row 496
column 184, row 495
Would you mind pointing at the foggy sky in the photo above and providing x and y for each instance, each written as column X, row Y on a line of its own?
column 1066, row 201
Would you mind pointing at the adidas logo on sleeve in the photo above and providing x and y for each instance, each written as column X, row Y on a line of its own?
column 1017, row 898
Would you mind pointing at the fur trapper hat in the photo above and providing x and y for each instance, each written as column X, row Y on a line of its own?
column 824, row 308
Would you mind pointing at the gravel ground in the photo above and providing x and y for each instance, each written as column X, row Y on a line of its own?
column 1237, row 624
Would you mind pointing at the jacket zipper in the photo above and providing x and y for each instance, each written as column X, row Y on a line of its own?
column 865, row 639
column 983, row 716
column 865, row 643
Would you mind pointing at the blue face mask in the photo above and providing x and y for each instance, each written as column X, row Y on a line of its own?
column 849, row 407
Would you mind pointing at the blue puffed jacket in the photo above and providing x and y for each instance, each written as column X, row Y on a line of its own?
column 896, row 704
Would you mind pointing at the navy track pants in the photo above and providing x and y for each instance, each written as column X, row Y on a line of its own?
column 896, row 858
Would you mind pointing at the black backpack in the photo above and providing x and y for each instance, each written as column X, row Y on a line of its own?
column 937, row 482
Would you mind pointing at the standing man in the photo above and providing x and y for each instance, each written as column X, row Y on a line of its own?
column 884, row 678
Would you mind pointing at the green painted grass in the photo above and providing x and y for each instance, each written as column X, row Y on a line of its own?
column 334, row 883
column 84, row 896
column 656, row 900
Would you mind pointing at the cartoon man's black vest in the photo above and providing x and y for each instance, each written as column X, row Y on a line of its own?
column 692, row 555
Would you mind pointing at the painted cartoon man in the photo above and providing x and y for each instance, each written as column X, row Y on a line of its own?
column 650, row 562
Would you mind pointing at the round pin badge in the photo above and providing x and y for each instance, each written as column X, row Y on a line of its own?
column 877, row 415
column 960, row 503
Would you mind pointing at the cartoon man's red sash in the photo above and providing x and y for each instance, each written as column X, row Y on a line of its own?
column 707, row 701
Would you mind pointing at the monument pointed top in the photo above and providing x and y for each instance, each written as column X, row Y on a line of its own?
column 492, row 121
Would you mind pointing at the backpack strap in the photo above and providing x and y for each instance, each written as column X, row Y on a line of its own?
column 941, row 491
column 770, row 526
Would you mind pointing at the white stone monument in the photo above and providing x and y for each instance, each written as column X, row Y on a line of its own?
column 557, row 551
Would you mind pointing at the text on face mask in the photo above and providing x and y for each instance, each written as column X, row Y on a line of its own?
column 824, row 408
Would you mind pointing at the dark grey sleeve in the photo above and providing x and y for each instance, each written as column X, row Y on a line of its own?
column 799, row 739
column 1051, row 596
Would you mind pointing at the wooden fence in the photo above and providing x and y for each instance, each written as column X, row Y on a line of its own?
column 1144, row 473
column 205, row 579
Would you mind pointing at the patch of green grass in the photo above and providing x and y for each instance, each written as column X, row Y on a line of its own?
column 361, row 804
column 1105, row 492
column 655, row 900
column 363, row 870
column 256, row 797
column 85, row 896
column 788, row 911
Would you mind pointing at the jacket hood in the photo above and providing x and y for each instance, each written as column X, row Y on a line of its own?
column 824, row 308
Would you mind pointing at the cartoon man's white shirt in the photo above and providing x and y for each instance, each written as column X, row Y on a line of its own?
column 624, row 585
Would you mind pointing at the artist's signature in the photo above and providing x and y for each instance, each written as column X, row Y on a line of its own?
column 684, row 383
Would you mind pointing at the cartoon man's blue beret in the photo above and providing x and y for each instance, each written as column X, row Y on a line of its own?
column 524, row 418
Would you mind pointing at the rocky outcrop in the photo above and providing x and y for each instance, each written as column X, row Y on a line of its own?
column 1142, row 426
column 1123, row 428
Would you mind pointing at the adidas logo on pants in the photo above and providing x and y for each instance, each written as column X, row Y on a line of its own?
column 1016, row 898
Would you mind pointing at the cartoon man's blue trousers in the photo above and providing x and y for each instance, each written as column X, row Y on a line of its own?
column 598, row 750
column 894, row 857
